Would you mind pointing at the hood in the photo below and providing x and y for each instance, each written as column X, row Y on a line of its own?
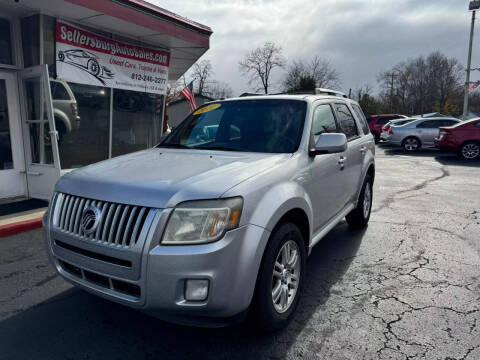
column 162, row 177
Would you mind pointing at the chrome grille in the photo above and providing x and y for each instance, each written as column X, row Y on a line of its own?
column 119, row 224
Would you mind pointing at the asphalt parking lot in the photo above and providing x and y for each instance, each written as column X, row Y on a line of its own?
column 406, row 288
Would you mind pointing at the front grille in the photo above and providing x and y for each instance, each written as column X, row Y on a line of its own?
column 94, row 255
column 106, row 282
column 119, row 224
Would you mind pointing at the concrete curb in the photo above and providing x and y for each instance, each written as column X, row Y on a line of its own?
column 20, row 226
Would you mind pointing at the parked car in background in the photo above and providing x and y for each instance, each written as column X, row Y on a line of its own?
column 419, row 133
column 65, row 109
column 462, row 138
column 397, row 122
column 376, row 122
column 217, row 221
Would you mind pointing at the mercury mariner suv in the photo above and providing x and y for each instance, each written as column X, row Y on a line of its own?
column 216, row 222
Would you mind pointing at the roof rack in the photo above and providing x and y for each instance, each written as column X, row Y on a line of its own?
column 322, row 91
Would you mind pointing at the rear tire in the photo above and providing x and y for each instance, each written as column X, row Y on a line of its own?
column 411, row 144
column 280, row 282
column 358, row 218
column 470, row 151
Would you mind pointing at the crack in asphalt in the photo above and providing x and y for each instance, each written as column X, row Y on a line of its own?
column 392, row 198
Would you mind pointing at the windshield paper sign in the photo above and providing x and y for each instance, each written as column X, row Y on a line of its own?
column 87, row 58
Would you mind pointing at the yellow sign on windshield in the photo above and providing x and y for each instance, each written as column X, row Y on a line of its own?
column 206, row 109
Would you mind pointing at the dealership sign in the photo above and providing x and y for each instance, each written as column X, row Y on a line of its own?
column 87, row 58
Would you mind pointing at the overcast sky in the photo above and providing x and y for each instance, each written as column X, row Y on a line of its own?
column 360, row 38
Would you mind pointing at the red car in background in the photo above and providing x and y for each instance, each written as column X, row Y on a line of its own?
column 376, row 122
column 463, row 139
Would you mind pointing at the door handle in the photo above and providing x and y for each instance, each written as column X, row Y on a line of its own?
column 34, row 173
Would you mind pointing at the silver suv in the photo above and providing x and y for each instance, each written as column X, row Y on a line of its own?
column 218, row 220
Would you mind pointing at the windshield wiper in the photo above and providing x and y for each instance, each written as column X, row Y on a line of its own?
column 175, row 146
column 224, row 148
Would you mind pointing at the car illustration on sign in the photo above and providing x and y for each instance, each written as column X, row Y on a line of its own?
column 87, row 61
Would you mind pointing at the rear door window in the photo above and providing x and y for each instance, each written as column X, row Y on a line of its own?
column 430, row 124
column 360, row 115
column 346, row 121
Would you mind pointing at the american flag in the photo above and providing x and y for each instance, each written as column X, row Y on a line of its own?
column 474, row 85
column 188, row 94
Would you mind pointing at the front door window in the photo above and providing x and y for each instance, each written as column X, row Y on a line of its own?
column 6, row 160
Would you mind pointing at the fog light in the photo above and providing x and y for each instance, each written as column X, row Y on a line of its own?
column 196, row 290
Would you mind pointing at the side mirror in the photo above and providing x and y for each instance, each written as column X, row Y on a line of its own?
column 330, row 143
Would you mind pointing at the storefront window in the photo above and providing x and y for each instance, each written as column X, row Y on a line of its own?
column 136, row 121
column 31, row 40
column 82, row 117
column 49, row 43
column 37, row 122
column 6, row 161
column 5, row 43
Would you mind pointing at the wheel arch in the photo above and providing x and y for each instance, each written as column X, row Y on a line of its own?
column 62, row 118
column 412, row 136
column 298, row 217
column 469, row 141
column 284, row 201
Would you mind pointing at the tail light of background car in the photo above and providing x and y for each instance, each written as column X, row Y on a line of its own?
column 390, row 131
column 387, row 128
column 442, row 133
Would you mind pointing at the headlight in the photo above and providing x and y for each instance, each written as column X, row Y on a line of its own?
column 204, row 221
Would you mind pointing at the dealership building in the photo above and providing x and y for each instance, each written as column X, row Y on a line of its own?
column 82, row 81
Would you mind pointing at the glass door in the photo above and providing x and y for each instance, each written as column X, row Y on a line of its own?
column 40, row 135
column 12, row 177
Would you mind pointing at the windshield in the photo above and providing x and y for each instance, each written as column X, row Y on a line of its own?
column 270, row 126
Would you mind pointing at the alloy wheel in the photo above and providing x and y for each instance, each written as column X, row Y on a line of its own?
column 411, row 144
column 470, row 151
column 286, row 276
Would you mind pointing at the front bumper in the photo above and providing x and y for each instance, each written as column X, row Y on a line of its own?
column 155, row 282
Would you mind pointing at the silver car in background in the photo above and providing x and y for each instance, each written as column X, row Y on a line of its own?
column 396, row 122
column 419, row 133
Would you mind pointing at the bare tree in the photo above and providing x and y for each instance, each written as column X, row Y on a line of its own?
column 201, row 73
column 259, row 63
column 219, row 90
column 317, row 69
column 367, row 101
column 422, row 84
column 174, row 89
column 296, row 71
column 324, row 74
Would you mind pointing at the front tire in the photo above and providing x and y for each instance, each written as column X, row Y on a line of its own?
column 359, row 217
column 280, row 279
column 411, row 144
column 470, row 151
